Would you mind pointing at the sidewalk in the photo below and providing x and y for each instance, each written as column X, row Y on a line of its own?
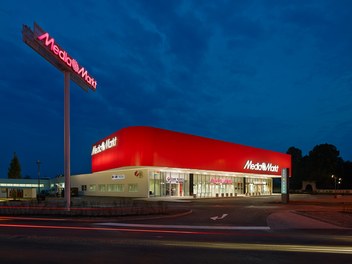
column 317, row 212
column 291, row 220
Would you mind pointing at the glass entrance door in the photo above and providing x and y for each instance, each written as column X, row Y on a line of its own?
column 174, row 189
column 168, row 183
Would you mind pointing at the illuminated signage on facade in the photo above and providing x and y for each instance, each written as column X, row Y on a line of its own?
column 174, row 179
column 107, row 144
column 269, row 167
column 284, row 181
column 118, row 177
column 221, row 181
column 138, row 174
column 70, row 62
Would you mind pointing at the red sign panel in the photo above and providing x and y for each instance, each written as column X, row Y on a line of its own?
column 147, row 146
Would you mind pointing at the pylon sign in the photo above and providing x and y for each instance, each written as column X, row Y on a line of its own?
column 285, row 185
column 45, row 45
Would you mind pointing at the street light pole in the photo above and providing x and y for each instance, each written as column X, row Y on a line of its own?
column 38, row 163
column 334, row 177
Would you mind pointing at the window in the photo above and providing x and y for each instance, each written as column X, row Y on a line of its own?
column 133, row 187
column 92, row 188
column 111, row 187
column 102, row 188
column 120, row 188
column 84, row 188
column 115, row 188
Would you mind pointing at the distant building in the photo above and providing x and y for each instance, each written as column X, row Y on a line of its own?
column 23, row 188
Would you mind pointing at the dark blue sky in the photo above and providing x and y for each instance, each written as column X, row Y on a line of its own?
column 270, row 74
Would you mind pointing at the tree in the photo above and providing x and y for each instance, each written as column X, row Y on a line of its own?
column 323, row 162
column 347, row 175
column 14, row 171
column 296, row 173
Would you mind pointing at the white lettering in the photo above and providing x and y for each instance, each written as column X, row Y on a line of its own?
column 107, row 144
column 261, row 166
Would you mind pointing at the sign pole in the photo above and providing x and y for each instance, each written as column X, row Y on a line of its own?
column 67, row 158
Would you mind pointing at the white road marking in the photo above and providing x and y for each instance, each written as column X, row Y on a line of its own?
column 217, row 217
column 186, row 226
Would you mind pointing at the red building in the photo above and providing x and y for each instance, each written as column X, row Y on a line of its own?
column 146, row 161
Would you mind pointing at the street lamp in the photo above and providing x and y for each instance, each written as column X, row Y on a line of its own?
column 337, row 181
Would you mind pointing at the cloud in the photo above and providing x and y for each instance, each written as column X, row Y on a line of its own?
column 268, row 74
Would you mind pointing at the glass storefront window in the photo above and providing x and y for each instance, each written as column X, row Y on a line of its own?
column 111, row 188
column 120, row 187
column 258, row 186
column 102, row 187
column 214, row 185
column 169, row 183
column 115, row 187
column 154, row 183
column 133, row 187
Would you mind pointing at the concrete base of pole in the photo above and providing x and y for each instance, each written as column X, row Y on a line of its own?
column 285, row 198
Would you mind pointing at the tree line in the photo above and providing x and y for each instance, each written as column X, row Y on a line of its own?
column 323, row 165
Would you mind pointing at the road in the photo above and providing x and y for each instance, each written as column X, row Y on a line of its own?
column 224, row 230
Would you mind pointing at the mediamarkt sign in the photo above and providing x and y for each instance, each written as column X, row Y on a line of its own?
column 107, row 144
column 70, row 62
column 261, row 166
column 46, row 46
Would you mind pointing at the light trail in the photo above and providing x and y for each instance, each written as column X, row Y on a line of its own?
column 3, row 218
column 104, row 229
column 264, row 247
column 208, row 245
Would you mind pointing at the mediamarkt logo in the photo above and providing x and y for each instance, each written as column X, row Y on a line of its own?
column 107, row 144
column 261, row 166
column 70, row 62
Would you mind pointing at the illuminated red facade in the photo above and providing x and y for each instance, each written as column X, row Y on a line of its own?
column 147, row 146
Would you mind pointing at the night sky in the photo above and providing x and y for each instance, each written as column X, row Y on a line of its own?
column 270, row 74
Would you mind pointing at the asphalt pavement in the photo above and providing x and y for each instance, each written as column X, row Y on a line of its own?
column 306, row 211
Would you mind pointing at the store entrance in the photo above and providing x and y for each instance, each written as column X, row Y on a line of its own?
column 174, row 189
column 168, row 184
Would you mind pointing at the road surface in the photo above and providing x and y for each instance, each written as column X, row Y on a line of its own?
column 226, row 231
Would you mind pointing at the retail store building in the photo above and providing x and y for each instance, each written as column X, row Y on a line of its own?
column 151, row 162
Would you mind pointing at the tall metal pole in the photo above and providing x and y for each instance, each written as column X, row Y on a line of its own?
column 38, row 163
column 67, row 158
column 334, row 177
